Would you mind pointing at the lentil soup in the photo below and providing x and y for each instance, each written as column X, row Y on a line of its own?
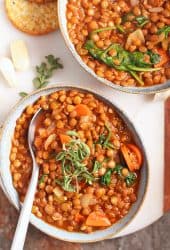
column 126, row 42
column 89, row 162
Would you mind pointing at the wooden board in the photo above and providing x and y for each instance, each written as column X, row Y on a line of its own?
column 167, row 158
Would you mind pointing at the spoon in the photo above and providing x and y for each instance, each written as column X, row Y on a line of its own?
column 21, row 230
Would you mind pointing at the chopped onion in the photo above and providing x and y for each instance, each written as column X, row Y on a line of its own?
column 87, row 199
column 8, row 72
column 58, row 192
column 51, row 128
column 84, row 119
column 49, row 140
column 134, row 2
column 137, row 34
column 156, row 9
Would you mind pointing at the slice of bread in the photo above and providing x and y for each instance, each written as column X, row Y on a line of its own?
column 33, row 18
column 41, row 1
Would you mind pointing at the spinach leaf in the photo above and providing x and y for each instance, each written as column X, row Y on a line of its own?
column 130, row 179
column 154, row 57
column 130, row 62
column 141, row 20
column 137, row 59
column 106, row 178
column 118, row 170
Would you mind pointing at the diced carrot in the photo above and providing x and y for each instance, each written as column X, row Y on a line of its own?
column 65, row 138
column 82, row 110
column 97, row 219
column 164, row 58
column 79, row 217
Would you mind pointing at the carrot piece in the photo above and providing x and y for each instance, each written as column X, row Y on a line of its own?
column 97, row 219
column 82, row 110
column 64, row 138
column 164, row 58
column 132, row 156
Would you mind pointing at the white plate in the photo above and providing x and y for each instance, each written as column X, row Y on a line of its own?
column 148, row 116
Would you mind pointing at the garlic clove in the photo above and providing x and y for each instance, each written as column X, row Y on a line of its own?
column 8, row 72
column 19, row 53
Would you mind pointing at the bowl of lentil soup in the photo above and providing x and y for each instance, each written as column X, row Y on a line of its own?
column 124, row 44
column 93, row 166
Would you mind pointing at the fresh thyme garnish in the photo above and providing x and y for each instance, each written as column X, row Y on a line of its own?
column 165, row 30
column 97, row 165
column 45, row 71
column 104, row 139
column 74, row 169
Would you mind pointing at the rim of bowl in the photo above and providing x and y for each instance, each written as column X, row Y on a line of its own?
column 39, row 223
column 133, row 90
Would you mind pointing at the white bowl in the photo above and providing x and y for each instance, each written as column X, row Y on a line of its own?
column 134, row 90
column 6, row 179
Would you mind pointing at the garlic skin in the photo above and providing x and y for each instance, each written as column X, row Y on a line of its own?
column 8, row 71
column 19, row 54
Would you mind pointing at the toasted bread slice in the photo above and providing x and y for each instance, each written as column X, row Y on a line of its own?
column 32, row 18
column 41, row 1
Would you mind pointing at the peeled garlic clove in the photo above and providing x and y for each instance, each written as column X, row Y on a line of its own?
column 8, row 72
column 19, row 55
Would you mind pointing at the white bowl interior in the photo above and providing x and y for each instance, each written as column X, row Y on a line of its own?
column 5, row 147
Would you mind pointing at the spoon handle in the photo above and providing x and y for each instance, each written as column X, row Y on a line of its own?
column 21, row 230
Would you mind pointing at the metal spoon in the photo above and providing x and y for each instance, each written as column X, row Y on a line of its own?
column 21, row 230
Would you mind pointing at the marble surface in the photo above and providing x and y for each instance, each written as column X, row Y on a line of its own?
column 154, row 237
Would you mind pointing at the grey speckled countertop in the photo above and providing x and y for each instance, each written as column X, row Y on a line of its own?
column 154, row 237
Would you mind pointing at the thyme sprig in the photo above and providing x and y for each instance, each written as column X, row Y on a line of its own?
column 74, row 168
column 45, row 71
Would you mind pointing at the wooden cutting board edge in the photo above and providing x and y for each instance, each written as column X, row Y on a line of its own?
column 167, row 158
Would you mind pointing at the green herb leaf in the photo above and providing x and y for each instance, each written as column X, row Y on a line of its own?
column 141, row 20
column 65, row 183
column 45, row 71
column 104, row 139
column 165, row 30
column 128, row 17
column 154, row 57
column 118, row 170
column 73, row 167
column 120, row 28
column 23, row 94
column 130, row 62
column 41, row 180
column 97, row 165
column 72, row 133
column 106, row 178
column 130, row 179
